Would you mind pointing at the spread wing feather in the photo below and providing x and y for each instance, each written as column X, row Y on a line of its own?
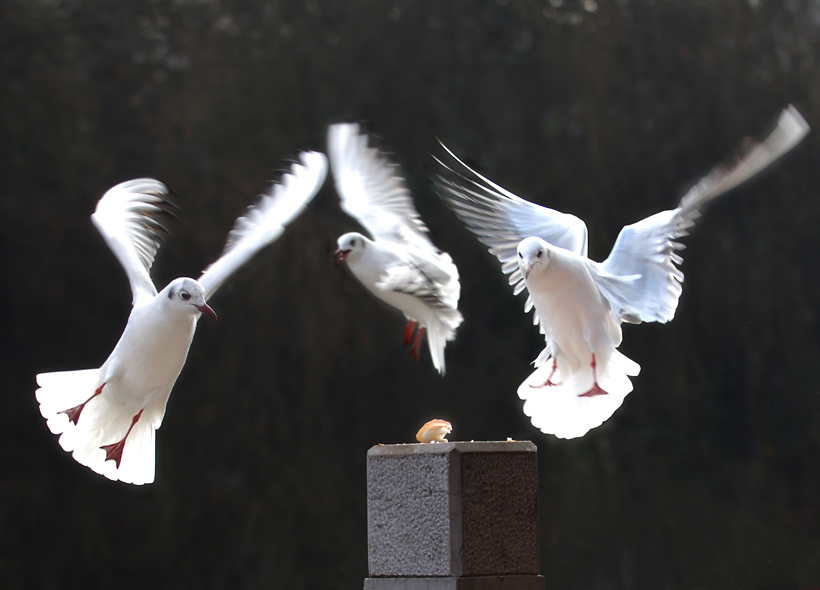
column 500, row 219
column 648, row 251
column 266, row 220
column 371, row 189
column 128, row 217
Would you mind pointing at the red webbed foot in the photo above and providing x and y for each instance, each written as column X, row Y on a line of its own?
column 74, row 413
column 596, row 389
column 114, row 450
column 549, row 382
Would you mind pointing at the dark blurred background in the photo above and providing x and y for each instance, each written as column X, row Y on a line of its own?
column 707, row 477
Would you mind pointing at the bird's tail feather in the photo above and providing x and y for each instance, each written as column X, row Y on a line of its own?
column 437, row 340
column 102, row 421
column 440, row 330
column 559, row 408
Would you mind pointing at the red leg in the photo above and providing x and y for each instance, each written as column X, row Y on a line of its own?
column 415, row 349
column 549, row 382
column 114, row 451
column 408, row 332
column 596, row 390
column 74, row 413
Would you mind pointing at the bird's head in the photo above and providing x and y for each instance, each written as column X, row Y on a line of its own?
column 188, row 295
column 350, row 243
column 532, row 252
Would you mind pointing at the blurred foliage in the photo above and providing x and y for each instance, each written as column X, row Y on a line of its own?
column 707, row 477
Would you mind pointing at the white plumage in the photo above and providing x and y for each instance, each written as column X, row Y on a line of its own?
column 580, row 377
column 399, row 265
column 107, row 417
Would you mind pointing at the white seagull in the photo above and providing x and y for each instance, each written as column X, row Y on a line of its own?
column 107, row 417
column 399, row 265
column 580, row 377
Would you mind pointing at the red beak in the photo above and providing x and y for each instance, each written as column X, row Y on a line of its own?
column 206, row 309
column 340, row 255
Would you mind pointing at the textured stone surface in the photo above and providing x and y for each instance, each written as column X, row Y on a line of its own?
column 472, row 583
column 409, row 514
column 499, row 513
column 453, row 509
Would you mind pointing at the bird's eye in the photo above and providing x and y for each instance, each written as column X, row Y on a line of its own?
column 184, row 295
column 520, row 255
column 540, row 252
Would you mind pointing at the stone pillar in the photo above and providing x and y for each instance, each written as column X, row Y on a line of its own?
column 453, row 516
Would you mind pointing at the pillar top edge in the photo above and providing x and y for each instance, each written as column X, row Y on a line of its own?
column 397, row 450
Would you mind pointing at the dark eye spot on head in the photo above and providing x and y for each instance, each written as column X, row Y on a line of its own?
column 184, row 295
column 520, row 255
column 540, row 252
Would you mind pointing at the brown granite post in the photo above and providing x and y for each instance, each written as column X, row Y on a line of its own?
column 453, row 516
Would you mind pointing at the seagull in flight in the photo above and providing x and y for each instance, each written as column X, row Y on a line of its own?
column 581, row 378
column 398, row 263
column 107, row 417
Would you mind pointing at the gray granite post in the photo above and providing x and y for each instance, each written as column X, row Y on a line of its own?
column 453, row 516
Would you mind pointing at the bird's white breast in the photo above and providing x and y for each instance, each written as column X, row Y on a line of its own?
column 149, row 356
column 575, row 316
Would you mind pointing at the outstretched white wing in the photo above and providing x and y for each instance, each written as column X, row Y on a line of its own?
column 372, row 191
column 647, row 250
column 500, row 219
column 127, row 217
column 266, row 220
